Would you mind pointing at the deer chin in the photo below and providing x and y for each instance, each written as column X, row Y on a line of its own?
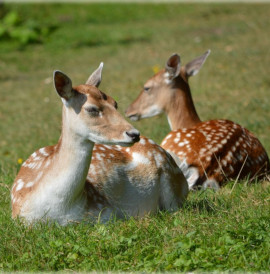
column 126, row 142
column 134, row 117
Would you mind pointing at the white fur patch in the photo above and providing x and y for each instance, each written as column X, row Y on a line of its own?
column 43, row 152
column 153, row 110
column 167, row 80
column 151, row 141
column 142, row 141
column 139, row 158
column 29, row 184
column 159, row 159
column 20, row 184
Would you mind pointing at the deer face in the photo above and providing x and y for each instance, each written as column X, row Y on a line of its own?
column 91, row 114
column 152, row 99
column 159, row 91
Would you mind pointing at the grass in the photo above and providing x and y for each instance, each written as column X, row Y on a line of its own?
column 228, row 230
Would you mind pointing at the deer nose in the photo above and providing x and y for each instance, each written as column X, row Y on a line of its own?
column 130, row 113
column 134, row 134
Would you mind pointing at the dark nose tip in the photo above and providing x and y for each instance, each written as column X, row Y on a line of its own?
column 134, row 134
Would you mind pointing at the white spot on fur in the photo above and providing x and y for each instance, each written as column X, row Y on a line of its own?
column 39, row 165
column 98, row 157
column 229, row 156
column 29, row 184
column 224, row 162
column 39, row 176
column 32, row 165
column 43, row 152
column 107, row 146
column 142, row 141
column 48, row 163
column 159, row 159
column 191, row 173
column 181, row 144
column 209, row 146
column 139, row 158
column 20, row 184
column 166, row 78
column 203, row 150
column 224, row 141
column 151, row 141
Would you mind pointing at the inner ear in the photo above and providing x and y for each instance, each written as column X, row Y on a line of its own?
column 95, row 78
column 173, row 66
column 63, row 85
column 193, row 67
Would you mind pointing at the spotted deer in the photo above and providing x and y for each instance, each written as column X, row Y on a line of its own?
column 209, row 153
column 55, row 182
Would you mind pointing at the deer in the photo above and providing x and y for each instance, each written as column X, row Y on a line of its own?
column 209, row 152
column 100, row 168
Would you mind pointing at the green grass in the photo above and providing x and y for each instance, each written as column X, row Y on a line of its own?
column 228, row 230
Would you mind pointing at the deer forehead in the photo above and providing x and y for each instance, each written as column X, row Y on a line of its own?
column 157, row 79
column 94, row 95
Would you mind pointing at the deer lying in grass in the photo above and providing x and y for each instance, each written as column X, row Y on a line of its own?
column 55, row 182
column 208, row 152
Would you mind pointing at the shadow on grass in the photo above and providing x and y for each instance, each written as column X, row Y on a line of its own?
column 206, row 202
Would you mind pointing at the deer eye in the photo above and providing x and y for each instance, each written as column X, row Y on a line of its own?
column 146, row 89
column 93, row 111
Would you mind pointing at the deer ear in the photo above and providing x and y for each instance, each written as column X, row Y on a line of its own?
column 95, row 78
column 173, row 66
column 193, row 67
column 63, row 85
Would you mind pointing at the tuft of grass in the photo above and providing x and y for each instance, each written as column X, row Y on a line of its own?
column 227, row 230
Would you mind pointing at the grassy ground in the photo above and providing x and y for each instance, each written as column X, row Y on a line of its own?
column 214, row 231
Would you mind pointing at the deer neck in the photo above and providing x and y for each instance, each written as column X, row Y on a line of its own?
column 73, row 157
column 181, row 112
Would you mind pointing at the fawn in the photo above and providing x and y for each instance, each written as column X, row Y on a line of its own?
column 209, row 153
column 56, row 184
